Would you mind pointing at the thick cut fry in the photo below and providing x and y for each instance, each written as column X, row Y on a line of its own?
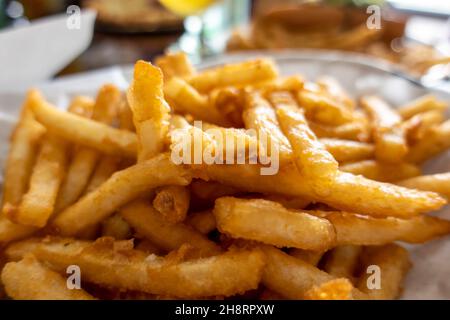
column 309, row 256
column 86, row 132
column 175, row 65
column 422, row 104
column 356, row 131
column 417, row 126
column 172, row 203
column 228, row 274
column 84, row 161
column 363, row 230
column 168, row 236
column 439, row 183
column 313, row 161
column 293, row 277
column 389, row 135
column 31, row 280
column 122, row 187
column 38, row 203
column 337, row 289
column 150, row 110
column 257, row 70
column 202, row 221
column 382, row 171
column 322, row 109
column 342, row 261
column 116, row 227
column 393, row 263
column 346, row 193
column 348, row 150
column 434, row 141
column 269, row 222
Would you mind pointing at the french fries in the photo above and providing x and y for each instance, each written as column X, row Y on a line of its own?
column 202, row 221
column 422, row 104
column 439, row 183
column 343, row 261
column 252, row 219
column 382, row 171
column 337, row 289
column 348, row 150
column 172, row 203
column 29, row 279
column 175, row 65
column 389, row 136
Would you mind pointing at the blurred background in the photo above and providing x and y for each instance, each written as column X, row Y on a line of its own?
column 414, row 34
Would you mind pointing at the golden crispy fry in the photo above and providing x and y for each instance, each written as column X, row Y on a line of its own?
column 116, row 227
column 356, row 131
column 364, row 230
column 21, row 156
column 48, row 173
column 150, row 110
column 417, row 126
column 202, row 221
column 168, row 236
column 342, row 261
column 439, row 183
column 175, row 65
column 348, row 150
column 382, row 171
column 103, row 171
column 257, row 70
column 186, row 99
column 389, row 135
column 121, row 188
column 332, row 87
column 323, row 109
column 380, row 199
column 229, row 101
column 393, row 262
column 434, row 141
column 126, row 116
column 227, row 274
column 422, row 104
column 337, row 289
column 85, row 132
column 172, row 203
column 11, row 231
column 313, row 161
column 259, row 115
column 84, row 161
column 293, row 277
column 31, row 280
column 309, row 256
column 269, row 222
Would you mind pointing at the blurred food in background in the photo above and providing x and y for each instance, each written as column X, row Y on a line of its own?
column 338, row 27
column 134, row 16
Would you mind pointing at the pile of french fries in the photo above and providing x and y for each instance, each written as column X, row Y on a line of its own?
column 96, row 187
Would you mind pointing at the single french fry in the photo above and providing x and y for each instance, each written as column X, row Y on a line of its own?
column 342, row 261
column 269, row 222
column 29, row 279
column 21, row 156
column 229, row 101
column 322, row 109
column 332, row 87
column 103, row 171
column 168, row 236
column 172, row 203
column 84, row 161
column 227, row 274
column 186, row 99
column 309, row 256
column 313, row 161
column 10, row 231
column 393, row 263
column 380, row 199
column 116, row 227
column 85, row 132
column 348, row 150
column 382, row 171
column 337, row 289
column 202, row 221
column 293, row 277
column 417, row 126
column 175, row 65
column 122, row 187
column 434, row 141
column 17, row 250
column 356, row 131
column 257, row 70
column 48, row 173
column 439, row 183
column 421, row 104
column 150, row 110
column 126, row 116
column 364, row 230
column 389, row 135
